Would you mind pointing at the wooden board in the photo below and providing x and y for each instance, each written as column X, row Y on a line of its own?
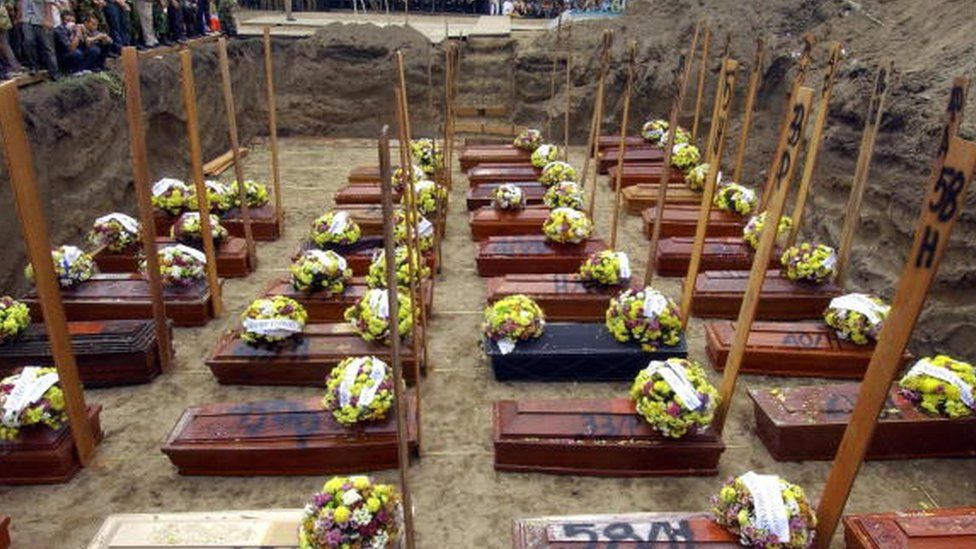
column 481, row 196
column 264, row 529
column 718, row 294
column 282, row 437
column 807, row 423
column 42, row 455
column 950, row 528
column 361, row 194
column 108, row 352
column 637, row 198
column 563, row 297
column 594, row 437
column 646, row 174
column 305, row 362
column 486, row 155
column 223, row 162
column 4, row 532
column 359, row 256
column 644, row 530
column 502, row 255
column 575, row 352
column 326, row 308
column 725, row 253
column 608, row 157
column 232, row 260
column 488, row 221
column 682, row 220
column 126, row 297
column 483, row 175
column 795, row 349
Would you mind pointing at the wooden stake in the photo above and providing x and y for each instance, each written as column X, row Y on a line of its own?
column 800, row 111
column 690, row 63
column 720, row 122
column 813, row 146
column 941, row 208
column 235, row 147
column 552, row 76
column 399, row 389
column 740, row 153
column 196, row 166
column 273, row 129
column 872, row 124
column 596, row 122
column 140, row 177
column 569, row 97
column 702, row 71
column 23, row 182
column 624, row 122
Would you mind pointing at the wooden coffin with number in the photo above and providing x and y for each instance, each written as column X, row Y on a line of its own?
column 125, row 297
column 362, row 194
column 727, row 253
column 107, row 352
column 681, row 220
column 594, row 437
column 302, row 362
column 283, row 437
column 807, row 423
column 801, row 349
column 502, row 173
column 330, row 308
column 264, row 223
column 604, row 142
column 232, row 260
column 950, row 528
column 575, row 352
column 563, row 297
column 643, row 174
column 488, row 155
column 718, row 294
column 44, row 456
column 622, row 531
column 482, row 195
column 488, row 221
column 359, row 255
column 502, row 255
column 638, row 198
column 4, row 532
column 608, row 157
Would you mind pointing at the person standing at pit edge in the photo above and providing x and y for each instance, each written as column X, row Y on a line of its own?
column 144, row 8
column 37, row 31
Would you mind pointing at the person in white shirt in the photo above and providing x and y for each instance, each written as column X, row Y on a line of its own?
column 508, row 7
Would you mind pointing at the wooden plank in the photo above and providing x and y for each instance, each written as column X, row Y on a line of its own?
column 41, row 455
column 222, row 162
column 502, row 255
column 932, row 529
column 720, row 294
column 646, row 530
column 748, row 110
column 563, row 297
column 273, row 127
column 596, row 121
column 681, row 220
column 624, row 121
column 702, row 70
column 265, row 529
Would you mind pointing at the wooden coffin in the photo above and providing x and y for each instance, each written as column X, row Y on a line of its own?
column 637, row 198
column 563, row 297
column 795, row 349
column 44, row 456
column 4, row 532
column 725, row 253
column 303, row 362
column 485, row 155
column 108, row 352
column 282, row 437
column 604, row 142
column 330, row 308
column 608, row 157
column 264, row 223
column 932, row 529
column 126, row 297
column 682, row 220
column 359, row 255
column 370, row 175
column 232, row 260
column 807, row 423
column 361, row 194
column 502, row 255
column 623, row 531
column 251, row 529
column 718, row 294
column 481, row 196
column 483, row 175
column 369, row 217
column 575, row 352
column 648, row 174
column 488, row 221
column 594, row 437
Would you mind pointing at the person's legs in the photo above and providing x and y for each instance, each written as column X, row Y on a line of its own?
column 113, row 16
column 73, row 61
column 48, row 55
column 145, row 10
column 8, row 54
column 29, row 46
column 176, row 30
column 204, row 16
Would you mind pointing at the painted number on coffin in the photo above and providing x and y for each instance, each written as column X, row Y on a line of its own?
column 804, row 340
column 601, row 425
column 606, row 535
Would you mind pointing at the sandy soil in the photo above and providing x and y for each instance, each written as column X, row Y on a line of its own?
column 460, row 500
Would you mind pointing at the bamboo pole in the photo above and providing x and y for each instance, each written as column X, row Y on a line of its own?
column 941, row 208
column 273, row 130
column 690, row 63
column 399, row 388
column 754, row 77
column 702, row 71
column 720, row 121
column 196, row 164
column 624, row 121
column 235, row 147
column 23, row 182
column 800, row 111
column 140, row 177
column 596, row 122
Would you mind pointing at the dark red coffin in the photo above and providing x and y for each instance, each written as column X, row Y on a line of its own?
column 484, row 155
column 483, row 175
column 330, row 308
column 594, row 437
column 796, row 349
column 481, row 196
column 282, row 437
column 360, row 255
column 232, row 260
column 631, row 141
column 682, row 220
column 44, row 456
column 108, row 352
column 609, row 156
column 369, row 217
column 370, row 175
column 807, row 423
column 623, row 531
column 726, row 253
column 125, row 297
column 264, row 223
column 637, row 198
column 563, row 297
column 488, row 221
column 718, row 294
column 953, row 528
column 305, row 362
column 634, row 174
column 361, row 194
column 502, row 255
column 4, row 532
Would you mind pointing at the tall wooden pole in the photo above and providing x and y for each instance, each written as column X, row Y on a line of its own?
column 554, row 59
column 690, row 62
column 235, row 147
column 20, row 166
column 140, row 177
column 624, row 122
column 750, row 105
column 800, row 110
column 596, row 122
column 273, row 129
column 569, row 96
column 196, row 166
column 702, row 72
